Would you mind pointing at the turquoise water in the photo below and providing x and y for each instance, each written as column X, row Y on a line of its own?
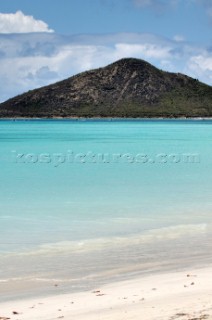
column 87, row 201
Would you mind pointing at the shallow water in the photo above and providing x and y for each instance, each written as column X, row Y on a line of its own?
column 84, row 202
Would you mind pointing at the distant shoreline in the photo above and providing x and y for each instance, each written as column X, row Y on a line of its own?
column 109, row 118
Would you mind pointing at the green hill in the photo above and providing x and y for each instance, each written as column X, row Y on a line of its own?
column 127, row 88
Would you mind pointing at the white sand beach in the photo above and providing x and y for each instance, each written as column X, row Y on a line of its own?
column 184, row 295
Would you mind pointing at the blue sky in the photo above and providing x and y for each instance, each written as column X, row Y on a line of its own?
column 45, row 41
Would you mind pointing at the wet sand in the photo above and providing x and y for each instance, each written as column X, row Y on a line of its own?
column 184, row 295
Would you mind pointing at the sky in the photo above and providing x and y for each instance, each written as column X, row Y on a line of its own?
column 42, row 42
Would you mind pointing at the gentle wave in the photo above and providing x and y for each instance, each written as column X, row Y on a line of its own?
column 90, row 245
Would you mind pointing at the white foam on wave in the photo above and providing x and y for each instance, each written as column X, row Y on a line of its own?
column 91, row 245
column 15, row 279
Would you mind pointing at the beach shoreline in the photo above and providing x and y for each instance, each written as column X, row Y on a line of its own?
column 175, row 295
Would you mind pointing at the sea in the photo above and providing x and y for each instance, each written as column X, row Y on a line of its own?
column 86, row 202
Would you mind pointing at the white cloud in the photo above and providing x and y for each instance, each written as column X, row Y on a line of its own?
column 33, row 60
column 20, row 23
column 179, row 37
column 200, row 66
column 146, row 50
column 203, row 62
